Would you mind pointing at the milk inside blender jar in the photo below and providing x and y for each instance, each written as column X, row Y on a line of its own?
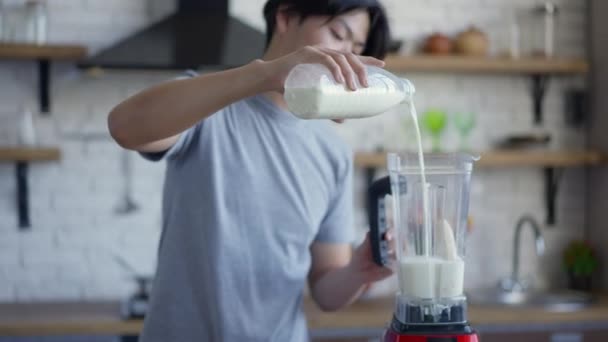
column 430, row 223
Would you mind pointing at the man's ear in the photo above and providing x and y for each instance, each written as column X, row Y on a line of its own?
column 283, row 19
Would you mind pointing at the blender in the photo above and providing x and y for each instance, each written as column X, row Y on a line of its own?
column 428, row 216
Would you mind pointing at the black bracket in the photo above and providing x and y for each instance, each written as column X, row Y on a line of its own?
column 552, row 178
column 44, row 81
column 23, row 207
column 540, row 83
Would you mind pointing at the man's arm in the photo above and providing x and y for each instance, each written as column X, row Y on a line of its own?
column 152, row 120
column 339, row 275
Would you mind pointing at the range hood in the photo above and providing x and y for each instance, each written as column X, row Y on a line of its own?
column 199, row 35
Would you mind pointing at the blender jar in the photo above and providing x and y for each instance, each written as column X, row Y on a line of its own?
column 429, row 216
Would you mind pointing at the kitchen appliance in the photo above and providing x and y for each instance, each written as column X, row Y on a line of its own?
column 429, row 225
column 524, row 141
column 184, row 34
column 127, row 204
column 136, row 306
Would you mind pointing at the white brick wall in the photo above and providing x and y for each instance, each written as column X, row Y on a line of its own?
column 69, row 253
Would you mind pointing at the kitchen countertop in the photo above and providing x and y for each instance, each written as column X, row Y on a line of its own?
column 377, row 312
column 91, row 318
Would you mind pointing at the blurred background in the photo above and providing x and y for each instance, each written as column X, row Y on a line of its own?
column 519, row 82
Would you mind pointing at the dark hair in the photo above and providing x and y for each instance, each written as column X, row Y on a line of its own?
column 378, row 37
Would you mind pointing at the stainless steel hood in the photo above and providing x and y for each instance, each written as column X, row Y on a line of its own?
column 200, row 35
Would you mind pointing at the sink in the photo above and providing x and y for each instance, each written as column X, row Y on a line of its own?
column 514, row 291
column 558, row 301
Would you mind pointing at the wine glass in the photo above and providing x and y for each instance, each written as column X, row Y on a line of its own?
column 434, row 121
column 464, row 122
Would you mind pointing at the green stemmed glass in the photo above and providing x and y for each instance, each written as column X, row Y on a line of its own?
column 434, row 121
column 464, row 122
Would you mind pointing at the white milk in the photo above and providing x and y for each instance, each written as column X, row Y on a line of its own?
column 450, row 278
column 334, row 101
column 417, row 276
column 426, row 276
column 425, row 192
column 431, row 277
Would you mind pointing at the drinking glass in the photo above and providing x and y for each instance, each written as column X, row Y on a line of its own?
column 464, row 122
column 435, row 121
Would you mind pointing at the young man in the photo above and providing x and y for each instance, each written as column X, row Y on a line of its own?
column 256, row 201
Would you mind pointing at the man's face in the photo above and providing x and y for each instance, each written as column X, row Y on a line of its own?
column 346, row 33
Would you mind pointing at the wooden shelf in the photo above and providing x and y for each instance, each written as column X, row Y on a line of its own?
column 507, row 158
column 460, row 64
column 23, row 154
column 541, row 158
column 51, row 52
column 545, row 159
column 43, row 55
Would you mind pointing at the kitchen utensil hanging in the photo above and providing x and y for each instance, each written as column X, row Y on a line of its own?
column 127, row 204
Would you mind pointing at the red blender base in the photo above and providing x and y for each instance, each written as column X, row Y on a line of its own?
column 392, row 336
column 398, row 332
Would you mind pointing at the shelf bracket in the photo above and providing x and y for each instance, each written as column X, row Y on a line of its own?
column 44, row 81
column 23, row 207
column 540, row 83
column 552, row 178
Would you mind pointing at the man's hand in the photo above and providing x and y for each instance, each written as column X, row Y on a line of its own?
column 346, row 67
column 362, row 264
column 335, row 281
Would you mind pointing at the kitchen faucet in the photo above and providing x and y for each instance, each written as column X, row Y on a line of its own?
column 514, row 283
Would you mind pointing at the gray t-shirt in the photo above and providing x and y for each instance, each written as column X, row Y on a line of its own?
column 246, row 193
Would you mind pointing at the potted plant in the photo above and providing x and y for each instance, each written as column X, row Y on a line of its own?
column 580, row 262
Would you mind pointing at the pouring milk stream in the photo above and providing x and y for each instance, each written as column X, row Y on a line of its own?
column 312, row 93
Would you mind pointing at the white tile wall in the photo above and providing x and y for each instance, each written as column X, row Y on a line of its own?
column 69, row 253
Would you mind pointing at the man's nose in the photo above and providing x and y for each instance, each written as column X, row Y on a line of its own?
column 346, row 47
